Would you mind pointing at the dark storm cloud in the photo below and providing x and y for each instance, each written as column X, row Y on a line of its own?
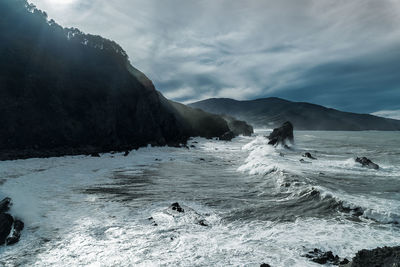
column 339, row 53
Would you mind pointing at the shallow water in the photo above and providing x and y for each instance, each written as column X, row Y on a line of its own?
column 261, row 204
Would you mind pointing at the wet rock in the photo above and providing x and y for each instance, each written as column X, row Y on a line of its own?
column 126, row 153
column 344, row 262
column 365, row 162
column 5, row 204
column 175, row 206
column 282, row 134
column 192, row 146
column 318, row 256
column 383, row 257
column 203, row 222
column 16, row 234
column 6, row 222
column 265, row 265
column 202, row 159
column 308, row 155
column 95, row 155
column 228, row 136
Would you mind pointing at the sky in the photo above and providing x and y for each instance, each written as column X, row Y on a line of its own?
column 338, row 53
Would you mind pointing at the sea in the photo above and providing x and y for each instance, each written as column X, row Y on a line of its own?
column 244, row 202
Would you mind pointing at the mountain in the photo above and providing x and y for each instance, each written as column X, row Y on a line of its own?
column 272, row 112
column 66, row 92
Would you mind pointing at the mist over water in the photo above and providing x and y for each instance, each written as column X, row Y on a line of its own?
column 260, row 203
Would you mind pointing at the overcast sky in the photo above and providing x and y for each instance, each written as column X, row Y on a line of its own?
column 338, row 53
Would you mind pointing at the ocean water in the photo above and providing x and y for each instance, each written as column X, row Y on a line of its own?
column 260, row 203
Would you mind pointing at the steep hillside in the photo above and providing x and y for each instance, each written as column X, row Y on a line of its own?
column 66, row 92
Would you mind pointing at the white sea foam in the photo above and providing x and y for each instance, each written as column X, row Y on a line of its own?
column 67, row 226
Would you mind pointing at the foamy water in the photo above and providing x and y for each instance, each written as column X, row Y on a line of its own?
column 260, row 203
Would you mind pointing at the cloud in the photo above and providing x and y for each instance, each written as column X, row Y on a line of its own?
column 337, row 53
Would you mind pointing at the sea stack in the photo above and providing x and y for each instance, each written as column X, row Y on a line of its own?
column 281, row 134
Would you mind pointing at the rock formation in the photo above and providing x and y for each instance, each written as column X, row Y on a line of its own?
column 282, row 134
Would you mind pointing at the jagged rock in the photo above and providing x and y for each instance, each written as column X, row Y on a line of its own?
column 228, row 136
column 282, row 134
column 365, row 162
column 177, row 207
column 16, row 234
column 308, row 155
column 382, row 257
column 318, row 256
column 6, row 222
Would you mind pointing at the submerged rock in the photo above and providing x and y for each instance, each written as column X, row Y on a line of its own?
column 366, row 162
column 282, row 134
column 383, row 257
column 308, row 155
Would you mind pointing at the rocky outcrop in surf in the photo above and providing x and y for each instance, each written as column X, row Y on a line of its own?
column 282, row 134
column 10, row 228
column 308, row 155
column 366, row 162
column 179, row 213
column 321, row 257
column 239, row 127
column 383, row 257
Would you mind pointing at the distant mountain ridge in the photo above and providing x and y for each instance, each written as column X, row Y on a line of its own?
column 272, row 112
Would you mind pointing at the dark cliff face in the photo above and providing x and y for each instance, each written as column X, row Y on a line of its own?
column 66, row 92
column 272, row 112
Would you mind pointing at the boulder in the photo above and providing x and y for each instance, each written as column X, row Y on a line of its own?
column 228, row 136
column 365, row 162
column 282, row 134
column 9, row 225
column 383, row 257
column 308, row 155
column 6, row 223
